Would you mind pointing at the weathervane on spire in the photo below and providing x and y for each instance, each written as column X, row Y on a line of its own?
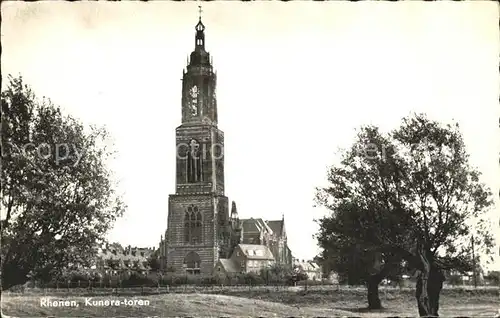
column 200, row 37
column 200, row 26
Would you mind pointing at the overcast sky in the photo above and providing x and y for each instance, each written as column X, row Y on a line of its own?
column 294, row 80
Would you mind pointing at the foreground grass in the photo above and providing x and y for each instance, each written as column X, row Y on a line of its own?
column 453, row 302
column 169, row 305
column 260, row 303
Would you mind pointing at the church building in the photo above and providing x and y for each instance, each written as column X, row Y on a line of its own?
column 200, row 230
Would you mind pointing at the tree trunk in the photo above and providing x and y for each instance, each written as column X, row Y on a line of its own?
column 429, row 286
column 373, row 297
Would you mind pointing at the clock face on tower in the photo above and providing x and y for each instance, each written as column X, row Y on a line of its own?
column 193, row 103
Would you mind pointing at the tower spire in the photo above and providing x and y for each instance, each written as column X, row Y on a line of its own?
column 200, row 36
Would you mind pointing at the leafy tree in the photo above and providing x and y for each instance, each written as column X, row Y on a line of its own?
column 493, row 277
column 116, row 247
column 57, row 192
column 356, row 264
column 276, row 273
column 455, row 279
column 113, row 263
column 252, row 278
column 280, row 272
column 75, row 276
column 411, row 193
column 301, row 276
column 153, row 263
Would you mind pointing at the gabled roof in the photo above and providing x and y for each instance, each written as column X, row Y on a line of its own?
column 254, row 251
column 228, row 265
column 251, row 225
column 306, row 266
column 255, row 225
column 123, row 257
column 277, row 226
column 314, row 265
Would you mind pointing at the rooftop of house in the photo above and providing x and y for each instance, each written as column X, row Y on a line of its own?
column 254, row 251
column 306, row 265
column 126, row 254
column 228, row 265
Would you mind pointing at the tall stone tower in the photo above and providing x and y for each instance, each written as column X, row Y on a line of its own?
column 198, row 215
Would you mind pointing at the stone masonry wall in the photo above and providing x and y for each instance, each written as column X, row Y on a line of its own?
column 208, row 250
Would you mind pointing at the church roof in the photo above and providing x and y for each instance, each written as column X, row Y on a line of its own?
column 276, row 226
column 254, row 251
column 251, row 225
column 228, row 265
column 255, row 225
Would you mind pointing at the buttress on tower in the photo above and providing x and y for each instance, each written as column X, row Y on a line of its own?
column 199, row 228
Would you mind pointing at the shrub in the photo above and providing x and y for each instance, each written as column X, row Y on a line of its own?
column 137, row 279
column 166, row 280
column 17, row 288
column 75, row 276
column 312, row 283
column 277, row 274
column 455, row 280
column 252, row 279
column 172, row 279
column 170, row 269
column 493, row 278
column 179, row 279
column 194, row 279
column 232, row 279
column 209, row 280
column 108, row 280
column 302, row 276
column 215, row 279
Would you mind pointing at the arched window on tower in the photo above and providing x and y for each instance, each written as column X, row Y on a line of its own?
column 192, row 225
column 192, row 263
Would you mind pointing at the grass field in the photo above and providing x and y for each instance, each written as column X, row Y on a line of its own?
column 257, row 303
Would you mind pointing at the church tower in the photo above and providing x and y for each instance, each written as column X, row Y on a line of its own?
column 198, row 213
